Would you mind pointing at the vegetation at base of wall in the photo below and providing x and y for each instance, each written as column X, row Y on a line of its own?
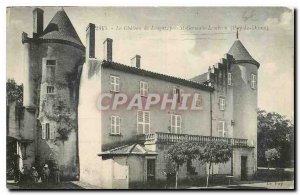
column 275, row 132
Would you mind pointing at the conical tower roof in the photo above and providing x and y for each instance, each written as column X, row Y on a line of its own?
column 240, row 53
column 61, row 28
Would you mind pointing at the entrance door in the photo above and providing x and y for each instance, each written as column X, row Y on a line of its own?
column 150, row 170
column 243, row 167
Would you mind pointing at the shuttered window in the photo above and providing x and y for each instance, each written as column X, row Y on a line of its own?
column 114, row 83
column 43, row 131
column 48, row 132
column 253, row 81
column 198, row 100
column 143, row 122
column 229, row 81
column 143, row 88
column 222, row 103
column 222, row 130
column 175, row 123
column 115, row 125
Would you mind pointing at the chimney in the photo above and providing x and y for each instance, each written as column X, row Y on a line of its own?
column 38, row 22
column 208, row 73
column 136, row 61
column 107, row 48
column 90, row 42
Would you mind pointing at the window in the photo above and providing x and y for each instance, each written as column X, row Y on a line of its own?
column 47, row 132
column 50, row 69
column 229, row 79
column 143, row 88
column 114, row 83
column 198, row 100
column 175, row 123
column 222, row 103
column 115, row 124
column 51, row 62
column 222, row 132
column 178, row 92
column 253, row 81
column 143, row 122
column 50, row 89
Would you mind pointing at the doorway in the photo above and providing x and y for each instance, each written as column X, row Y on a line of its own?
column 243, row 168
column 150, row 170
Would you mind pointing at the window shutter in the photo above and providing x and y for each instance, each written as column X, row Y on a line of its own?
column 117, row 83
column 139, row 121
column 43, row 131
column 178, row 124
column 118, row 125
column 52, row 132
column 112, row 126
column 147, row 122
column 173, row 123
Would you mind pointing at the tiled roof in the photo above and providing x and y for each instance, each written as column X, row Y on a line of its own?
column 240, row 53
column 61, row 28
column 142, row 72
column 200, row 78
column 134, row 149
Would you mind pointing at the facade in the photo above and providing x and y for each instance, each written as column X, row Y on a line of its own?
column 131, row 145
column 121, row 148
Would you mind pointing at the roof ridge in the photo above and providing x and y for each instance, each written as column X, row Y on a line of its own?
column 156, row 73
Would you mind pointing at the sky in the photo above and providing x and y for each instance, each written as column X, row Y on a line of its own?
column 180, row 41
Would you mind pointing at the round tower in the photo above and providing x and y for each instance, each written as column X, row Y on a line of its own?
column 58, row 54
column 244, row 79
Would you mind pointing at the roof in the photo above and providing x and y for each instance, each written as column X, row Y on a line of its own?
column 61, row 28
column 200, row 78
column 240, row 53
column 142, row 72
column 134, row 149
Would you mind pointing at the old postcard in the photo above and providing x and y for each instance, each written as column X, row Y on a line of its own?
column 150, row 98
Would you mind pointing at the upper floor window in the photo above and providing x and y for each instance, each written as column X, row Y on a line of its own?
column 143, row 88
column 50, row 69
column 229, row 80
column 198, row 100
column 50, row 89
column 47, row 131
column 253, row 81
column 175, row 123
column 222, row 131
column 178, row 94
column 114, row 83
column 143, row 122
column 222, row 103
column 115, row 125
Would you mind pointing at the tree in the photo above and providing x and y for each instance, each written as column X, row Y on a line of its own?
column 275, row 131
column 180, row 153
column 271, row 155
column 14, row 92
column 215, row 152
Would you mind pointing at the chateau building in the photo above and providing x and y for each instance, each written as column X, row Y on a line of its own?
column 122, row 148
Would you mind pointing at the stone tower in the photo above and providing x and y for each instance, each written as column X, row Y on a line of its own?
column 244, row 78
column 53, row 58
